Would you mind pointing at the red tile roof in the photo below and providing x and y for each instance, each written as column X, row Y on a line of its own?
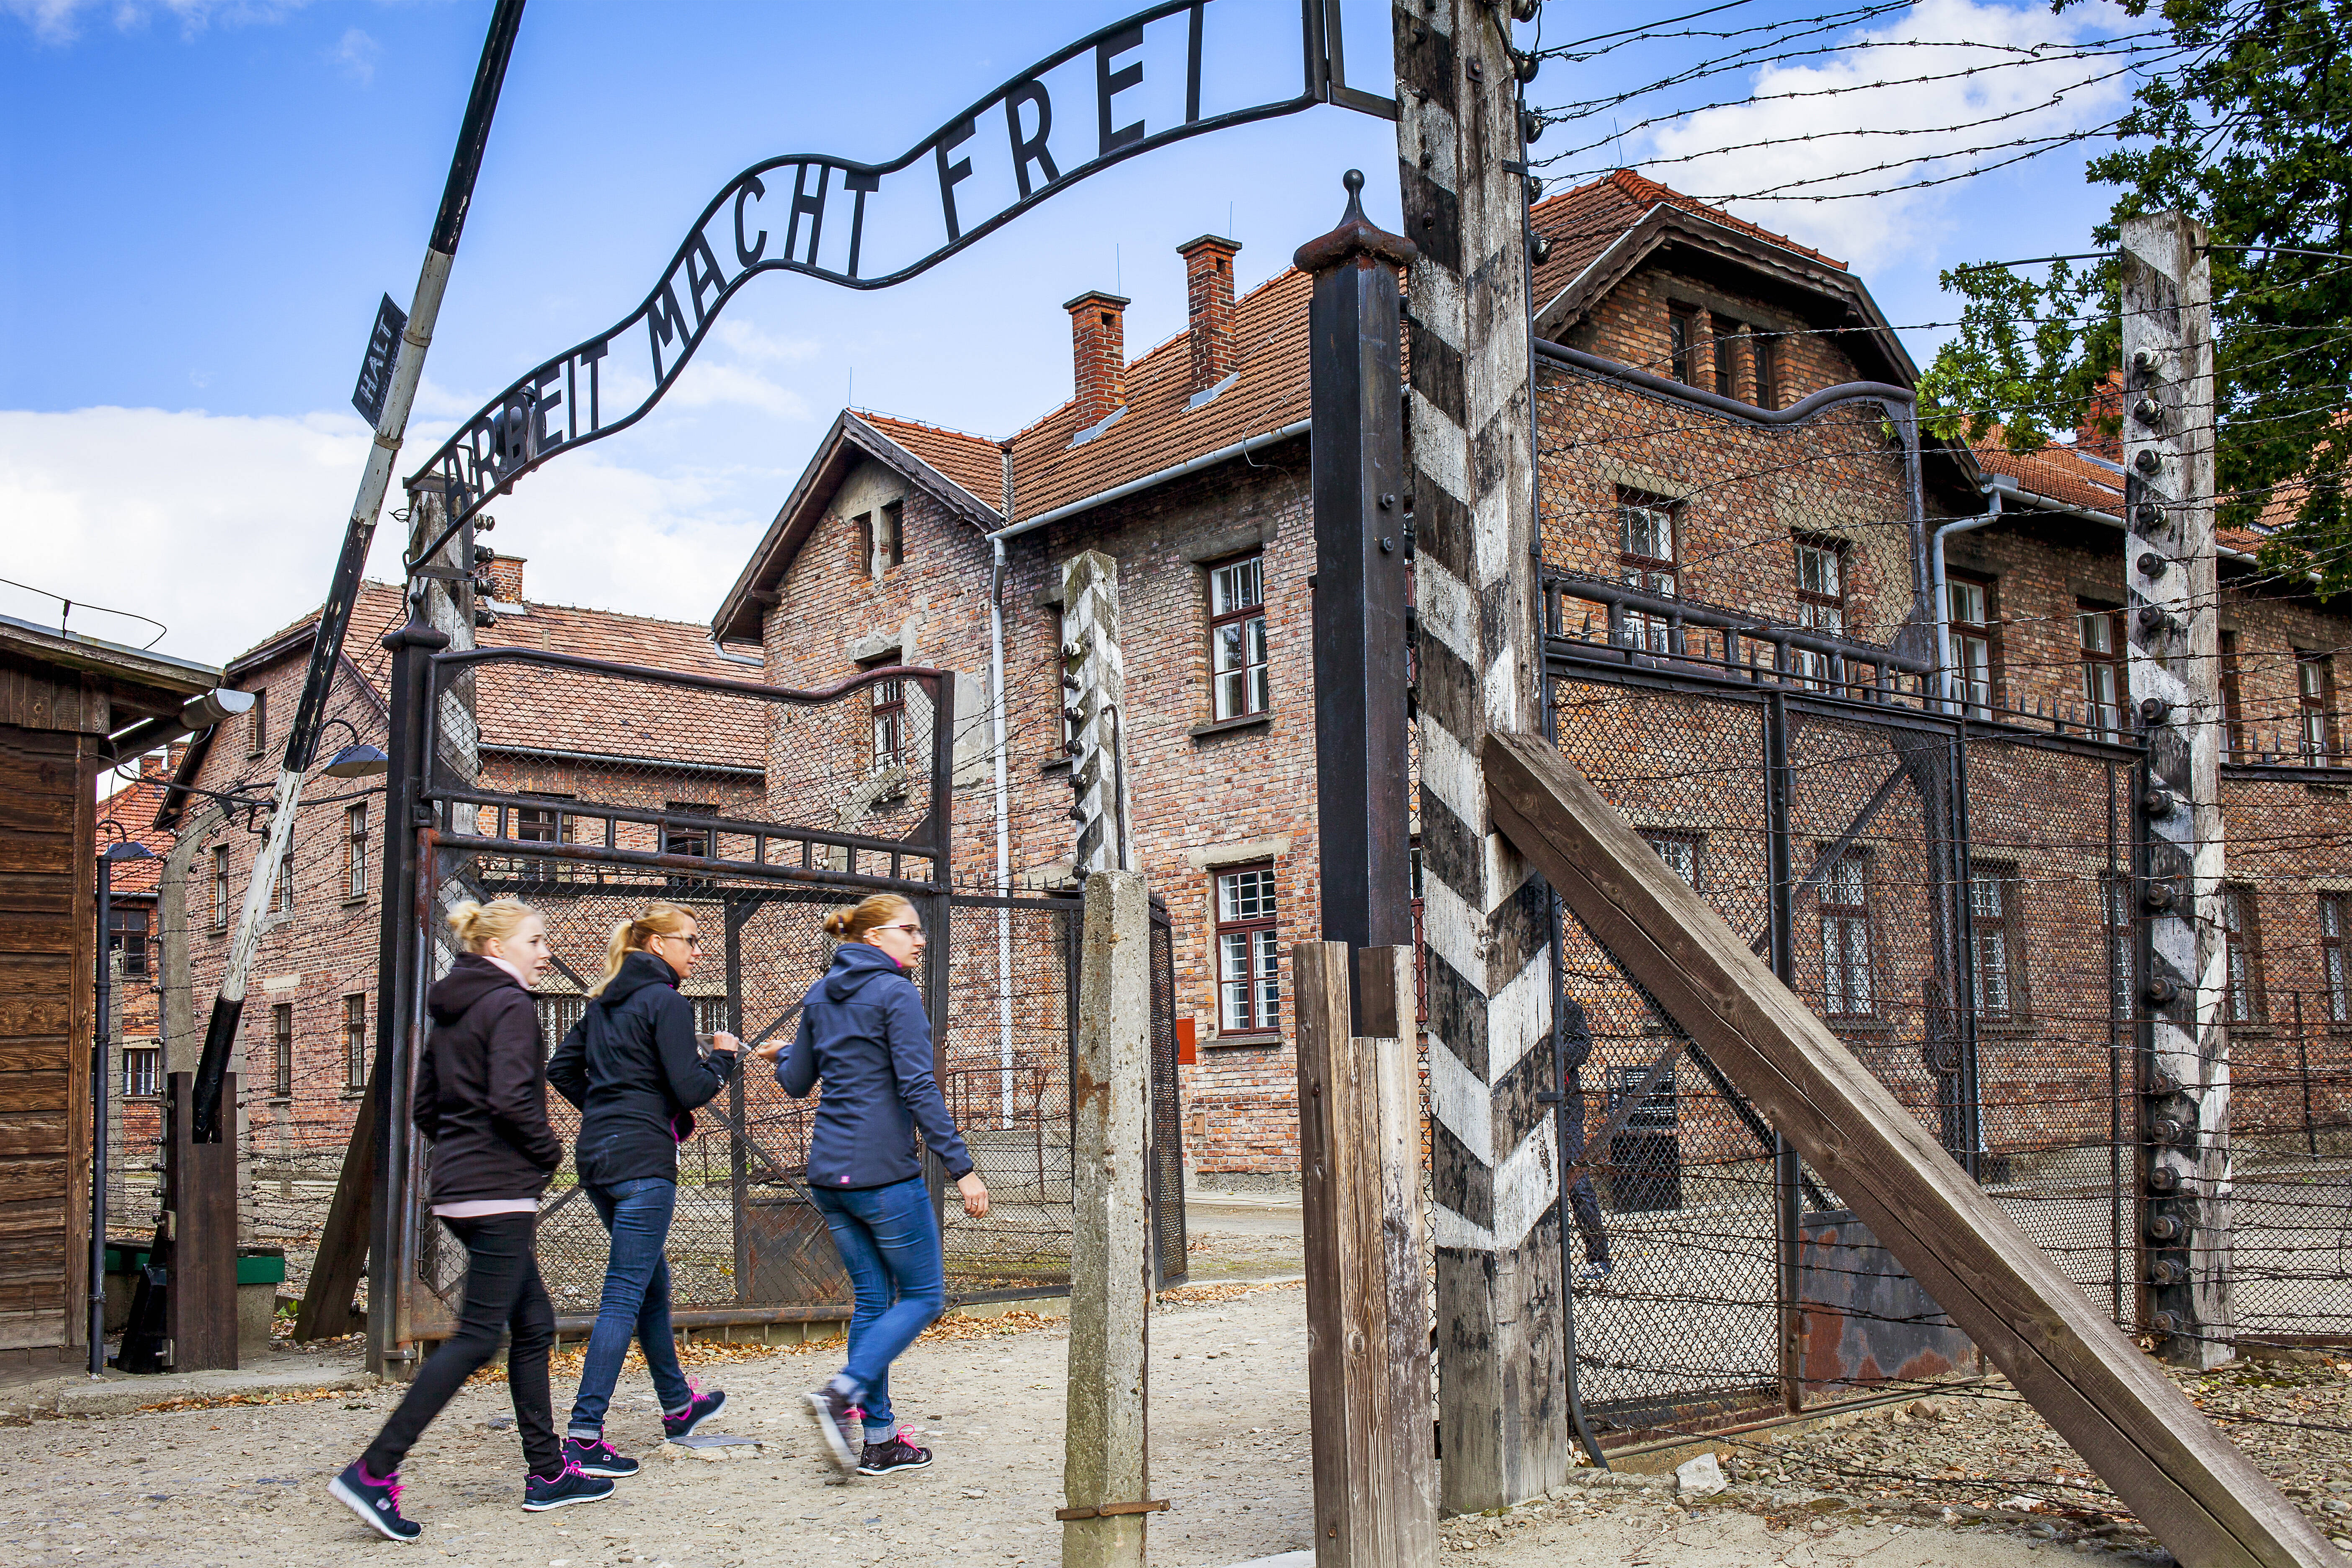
column 1583, row 222
column 2074, row 477
column 975, row 462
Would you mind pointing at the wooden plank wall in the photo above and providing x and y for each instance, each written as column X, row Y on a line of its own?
column 47, row 949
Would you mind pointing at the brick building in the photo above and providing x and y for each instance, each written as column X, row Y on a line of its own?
column 1676, row 453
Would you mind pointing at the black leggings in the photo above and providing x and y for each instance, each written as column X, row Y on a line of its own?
column 503, row 1293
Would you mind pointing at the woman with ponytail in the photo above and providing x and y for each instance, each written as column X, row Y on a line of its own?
column 632, row 1067
column 864, row 1036
column 481, row 1100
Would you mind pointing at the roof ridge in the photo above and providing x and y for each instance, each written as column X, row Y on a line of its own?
column 873, row 414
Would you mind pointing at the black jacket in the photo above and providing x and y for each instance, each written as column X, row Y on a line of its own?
column 631, row 1064
column 481, row 1089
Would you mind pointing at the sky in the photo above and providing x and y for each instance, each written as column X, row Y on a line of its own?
column 202, row 201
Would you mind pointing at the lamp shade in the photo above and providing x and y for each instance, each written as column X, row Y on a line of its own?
column 358, row 761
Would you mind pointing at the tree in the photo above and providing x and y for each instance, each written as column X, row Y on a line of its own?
column 2249, row 131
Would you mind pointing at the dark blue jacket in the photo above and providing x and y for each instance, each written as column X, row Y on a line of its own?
column 864, row 1036
column 633, row 1068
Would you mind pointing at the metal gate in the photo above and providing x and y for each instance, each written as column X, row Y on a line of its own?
column 586, row 788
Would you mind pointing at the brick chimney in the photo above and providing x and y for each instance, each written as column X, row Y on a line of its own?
column 2105, row 403
column 156, row 764
column 505, row 574
column 1209, row 307
column 1099, row 354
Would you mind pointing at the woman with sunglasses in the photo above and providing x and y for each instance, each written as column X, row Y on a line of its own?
column 632, row 1067
column 865, row 1035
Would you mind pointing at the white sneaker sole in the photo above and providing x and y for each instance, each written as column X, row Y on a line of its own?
column 358, row 1505
column 924, row 1464
column 836, row 1443
column 565, row 1501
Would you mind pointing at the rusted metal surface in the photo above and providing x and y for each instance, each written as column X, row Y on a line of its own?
column 1865, row 1321
column 793, row 1262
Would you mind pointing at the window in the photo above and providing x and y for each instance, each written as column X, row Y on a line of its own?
column 2115, row 921
column 1646, row 544
column 889, row 715
column 355, row 870
column 890, row 543
column 129, row 937
column 282, row 895
column 2242, row 934
column 1993, row 900
column 1821, row 604
column 677, row 840
column 1845, row 940
column 257, row 732
column 355, row 1051
column 220, row 886
column 864, row 559
column 710, row 1014
column 1237, row 638
column 1682, row 343
column 2234, row 700
column 2314, row 689
column 142, row 1069
column 2104, row 686
column 281, row 1055
column 1967, row 607
column 1678, row 850
column 540, row 824
column 1249, row 986
column 1727, row 363
column 556, row 1016
column 1768, row 369
column 2334, row 909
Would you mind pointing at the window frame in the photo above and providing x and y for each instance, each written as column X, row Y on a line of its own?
column 1260, row 979
column 355, row 854
column 2007, row 923
column 864, row 523
column 1766, row 349
column 1261, row 691
column 2103, row 718
column 1814, row 606
column 2314, row 712
column 281, row 896
column 2243, row 1003
column 890, row 529
column 2334, row 917
column 355, row 1052
column 1840, row 967
column 1658, row 838
column 885, row 717
column 2115, row 928
column 1682, row 342
column 220, row 886
column 281, row 1050
column 1726, row 355
column 143, row 1053
column 131, row 940
column 1984, row 633
column 2233, row 697
column 256, row 723
column 1642, row 572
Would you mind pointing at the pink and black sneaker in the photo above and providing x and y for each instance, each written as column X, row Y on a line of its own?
column 699, row 1407
column 567, row 1485
column 889, row 1458
column 375, row 1500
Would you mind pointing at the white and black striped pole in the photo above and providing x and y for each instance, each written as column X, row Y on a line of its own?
column 398, row 392
column 1485, row 921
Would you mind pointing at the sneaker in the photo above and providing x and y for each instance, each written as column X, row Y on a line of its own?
column 830, row 1408
column 595, row 1457
column 898, row 1454
column 569, row 1485
column 699, row 1407
column 377, row 1501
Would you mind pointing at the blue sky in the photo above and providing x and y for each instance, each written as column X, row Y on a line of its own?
column 201, row 201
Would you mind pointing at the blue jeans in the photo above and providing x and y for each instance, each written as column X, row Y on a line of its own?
column 636, row 1301
column 890, row 1242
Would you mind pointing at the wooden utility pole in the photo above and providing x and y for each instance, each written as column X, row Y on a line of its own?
column 1094, row 695
column 1106, row 1473
column 2173, row 636
column 1367, row 1296
column 1486, row 919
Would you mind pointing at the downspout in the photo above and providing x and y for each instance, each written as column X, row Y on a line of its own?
column 1003, row 832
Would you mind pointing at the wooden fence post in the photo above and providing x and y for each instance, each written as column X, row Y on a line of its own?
column 1106, row 1473
column 1367, row 1363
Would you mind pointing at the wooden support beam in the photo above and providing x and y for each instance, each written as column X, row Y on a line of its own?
column 2200, row 1496
column 326, row 1309
column 1368, row 1362
column 1106, row 1473
column 201, row 1299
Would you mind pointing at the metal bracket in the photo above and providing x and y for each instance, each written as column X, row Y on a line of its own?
column 1110, row 1508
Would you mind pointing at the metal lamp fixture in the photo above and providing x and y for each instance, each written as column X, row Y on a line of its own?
column 357, row 761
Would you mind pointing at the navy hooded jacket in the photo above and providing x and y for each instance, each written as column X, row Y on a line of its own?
column 632, row 1067
column 863, row 1033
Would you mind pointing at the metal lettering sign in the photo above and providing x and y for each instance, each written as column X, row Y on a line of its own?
column 375, row 365
column 1180, row 70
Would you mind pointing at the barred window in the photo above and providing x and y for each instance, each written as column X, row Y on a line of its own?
column 1646, row 542
column 142, row 1069
column 355, row 866
column 2115, row 918
column 1846, row 988
column 889, row 699
column 1249, row 986
column 556, row 1016
column 540, row 824
column 1678, row 850
column 2332, row 922
column 355, row 1052
column 281, row 1054
column 1237, row 662
column 2242, row 934
column 220, row 886
column 1994, row 929
column 1821, row 604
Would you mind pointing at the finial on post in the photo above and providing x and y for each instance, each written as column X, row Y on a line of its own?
column 1356, row 237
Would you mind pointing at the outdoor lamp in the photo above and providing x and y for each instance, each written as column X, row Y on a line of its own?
column 357, row 761
column 127, row 850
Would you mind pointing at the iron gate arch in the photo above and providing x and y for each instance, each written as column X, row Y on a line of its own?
column 586, row 787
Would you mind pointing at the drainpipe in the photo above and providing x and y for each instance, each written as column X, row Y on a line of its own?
column 1943, row 602
column 1003, row 833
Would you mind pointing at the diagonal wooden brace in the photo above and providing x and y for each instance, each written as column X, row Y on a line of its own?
column 2200, row 1496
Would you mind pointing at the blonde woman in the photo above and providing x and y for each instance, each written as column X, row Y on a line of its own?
column 633, row 1068
column 482, row 1099
column 864, row 1036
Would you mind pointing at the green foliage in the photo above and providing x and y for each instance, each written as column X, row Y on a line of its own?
column 2247, row 129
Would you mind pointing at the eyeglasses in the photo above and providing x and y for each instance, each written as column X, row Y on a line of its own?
column 916, row 929
column 694, row 940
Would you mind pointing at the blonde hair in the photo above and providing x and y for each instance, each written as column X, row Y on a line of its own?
column 657, row 919
column 478, row 925
column 851, row 924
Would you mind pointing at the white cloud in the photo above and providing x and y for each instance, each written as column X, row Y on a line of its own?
column 227, row 528
column 59, row 21
column 356, row 54
column 1714, row 154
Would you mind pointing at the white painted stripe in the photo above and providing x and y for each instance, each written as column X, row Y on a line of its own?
column 1450, row 1229
column 1525, row 1184
column 1462, row 1105
column 1453, row 932
column 1449, row 611
column 1518, row 1016
column 1438, row 450
column 1451, row 774
column 1437, row 306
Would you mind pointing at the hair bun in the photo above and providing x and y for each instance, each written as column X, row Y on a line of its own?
column 836, row 924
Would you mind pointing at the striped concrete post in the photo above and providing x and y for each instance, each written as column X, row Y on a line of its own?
column 1502, row 1404
column 1094, row 693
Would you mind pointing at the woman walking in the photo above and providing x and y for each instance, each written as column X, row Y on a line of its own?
column 633, row 1068
column 482, row 1099
column 863, row 1035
